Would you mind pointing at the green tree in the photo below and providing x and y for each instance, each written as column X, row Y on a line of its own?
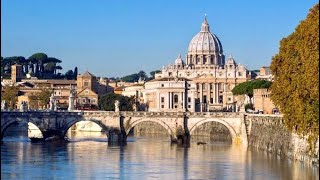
column 69, row 75
column 247, row 87
column 75, row 73
column 38, row 59
column 10, row 95
column 135, row 77
column 152, row 74
column 295, row 68
column 106, row 102
column 44, row 97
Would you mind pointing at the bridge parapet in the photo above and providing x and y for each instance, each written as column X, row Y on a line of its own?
column 215, row 114
column 38, row 113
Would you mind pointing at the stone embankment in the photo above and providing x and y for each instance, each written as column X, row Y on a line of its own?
column 267, row 132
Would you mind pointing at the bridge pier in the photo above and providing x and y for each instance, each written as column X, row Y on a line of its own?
column 116, row 137
column 182, row 135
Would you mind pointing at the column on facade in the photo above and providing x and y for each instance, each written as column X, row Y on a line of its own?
column 216, row 92
column 183, row 100
column 208, row 93
column 169, row 100
column 201, row 95
column 213, row 93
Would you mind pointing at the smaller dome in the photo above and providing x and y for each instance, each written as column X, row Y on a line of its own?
column 179, row 60
column 231, row 60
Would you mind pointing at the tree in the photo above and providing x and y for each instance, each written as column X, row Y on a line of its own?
column 135, row 77
column 295, row 68
column 75, row 73
column 10, row 95
column 69, row 75
column 247, row 87
column 106, row 102
column 38, row 59
column 44, row 97
column 152, row 74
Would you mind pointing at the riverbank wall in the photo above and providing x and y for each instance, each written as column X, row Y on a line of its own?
column 268, row 133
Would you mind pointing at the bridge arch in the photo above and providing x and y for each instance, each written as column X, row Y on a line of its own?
column 75, row 120
column 155, row 120
column 7, row 123
column 221, row 121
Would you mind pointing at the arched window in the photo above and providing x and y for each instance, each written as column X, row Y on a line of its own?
column 175, row 98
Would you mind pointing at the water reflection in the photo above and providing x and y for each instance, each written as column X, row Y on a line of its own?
column 144, row 157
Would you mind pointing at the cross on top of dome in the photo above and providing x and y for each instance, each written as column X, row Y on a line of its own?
column 205, row 25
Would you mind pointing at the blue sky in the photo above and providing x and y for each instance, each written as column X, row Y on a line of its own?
column 116, row 38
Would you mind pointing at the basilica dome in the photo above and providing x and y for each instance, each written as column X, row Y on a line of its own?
column 205, row 45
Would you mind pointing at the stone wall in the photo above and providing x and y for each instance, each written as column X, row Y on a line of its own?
column 267, row 132
column 148, row 128
column 216, row 131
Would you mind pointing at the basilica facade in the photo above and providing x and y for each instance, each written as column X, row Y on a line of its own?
column 203, row 82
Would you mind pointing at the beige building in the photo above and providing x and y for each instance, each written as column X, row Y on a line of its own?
column 262, row 101
column 264, row 73
column 203, row 83
column 60, row 88
column 87, row 91
column 16, row 73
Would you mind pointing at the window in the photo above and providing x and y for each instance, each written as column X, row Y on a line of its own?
column 240, row 73
column 86, row 92
column 211, row 60
column 229, row 99
column 204, row 60
column 162, row 99
column 197, row 85
column 162, row 85
column 189, row 106
column 211, row 100
column 86, row 84
column 162, row 106
column 170, row 73
column 204, row 100
column 175, row 98
column 175, row 106
column 189, row 99
column 220, row 99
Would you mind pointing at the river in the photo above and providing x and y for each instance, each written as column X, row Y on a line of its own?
column 88, row 156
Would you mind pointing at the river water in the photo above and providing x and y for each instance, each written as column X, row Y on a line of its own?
column 88, row 156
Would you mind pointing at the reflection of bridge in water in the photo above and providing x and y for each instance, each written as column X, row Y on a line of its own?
column 179, row 125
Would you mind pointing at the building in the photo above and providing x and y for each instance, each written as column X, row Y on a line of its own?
column 264, row 73
column 87, row 91
column 60, row 88
column 16, row 73
column 202, row 83
column 262, row 102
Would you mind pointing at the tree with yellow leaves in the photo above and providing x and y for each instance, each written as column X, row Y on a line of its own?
column 295, row 89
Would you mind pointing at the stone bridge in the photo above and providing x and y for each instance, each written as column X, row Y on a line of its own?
column 117, row 125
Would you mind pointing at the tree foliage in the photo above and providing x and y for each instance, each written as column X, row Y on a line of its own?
column 247, row 87
column 10, row 95
column 296, row 76
column 69, row 75
column 135, row 77
column 106, row 102
column 40, row 99
column 152, row 74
